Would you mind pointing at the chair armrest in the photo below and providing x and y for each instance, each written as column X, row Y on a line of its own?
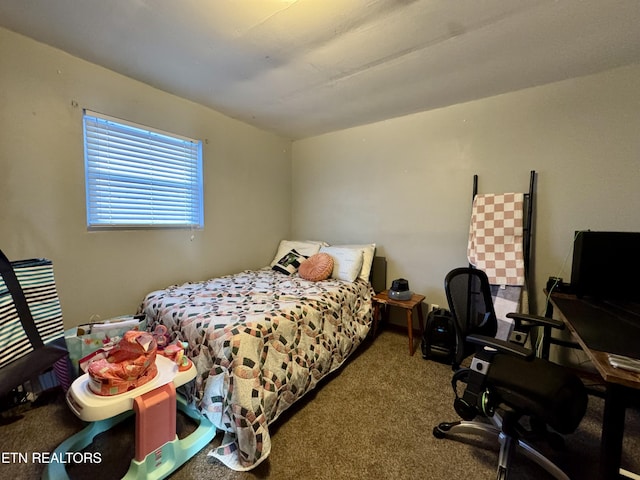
column 535, row 320
column 501, row 346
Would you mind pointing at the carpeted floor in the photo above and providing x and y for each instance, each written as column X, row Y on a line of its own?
column 372, row 419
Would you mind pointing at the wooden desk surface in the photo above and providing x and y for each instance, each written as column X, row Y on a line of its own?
column 600, row 359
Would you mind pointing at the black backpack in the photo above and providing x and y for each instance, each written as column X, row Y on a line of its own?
column 439, row 337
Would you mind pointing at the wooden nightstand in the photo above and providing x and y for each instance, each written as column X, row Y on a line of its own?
column 416, row 300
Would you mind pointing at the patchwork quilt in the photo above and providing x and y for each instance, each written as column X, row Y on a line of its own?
column 260, row 340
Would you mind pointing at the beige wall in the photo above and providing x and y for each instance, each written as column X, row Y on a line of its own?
column 406, row 183
column 42, row 199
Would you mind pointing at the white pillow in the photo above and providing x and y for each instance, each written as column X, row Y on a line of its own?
column 347, row 262
column 303, row 247
column 368, row 251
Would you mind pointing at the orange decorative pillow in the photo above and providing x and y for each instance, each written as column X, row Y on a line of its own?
column 317, row 267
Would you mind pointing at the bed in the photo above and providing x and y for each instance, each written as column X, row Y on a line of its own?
column 261, row 339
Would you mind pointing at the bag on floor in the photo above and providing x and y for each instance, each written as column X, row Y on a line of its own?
column 31, row 329
column 439, row 338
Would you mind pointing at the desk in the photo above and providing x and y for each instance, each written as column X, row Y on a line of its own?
column 415, row 301
column 583, row 319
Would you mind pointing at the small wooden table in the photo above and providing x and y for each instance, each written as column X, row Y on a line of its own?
column 416, row 300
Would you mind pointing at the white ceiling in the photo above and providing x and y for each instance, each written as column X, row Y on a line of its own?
column 306, row 67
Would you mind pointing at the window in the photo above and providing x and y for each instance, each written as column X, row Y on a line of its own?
column 136, row 177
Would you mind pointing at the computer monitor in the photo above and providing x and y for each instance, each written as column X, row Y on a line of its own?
column 606, row 265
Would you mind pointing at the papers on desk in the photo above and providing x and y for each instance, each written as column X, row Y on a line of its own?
column 625, row 363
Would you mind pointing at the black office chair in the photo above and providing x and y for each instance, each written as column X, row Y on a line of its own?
column 505, row 382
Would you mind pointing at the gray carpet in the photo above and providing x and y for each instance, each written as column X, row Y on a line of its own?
column 372, row 419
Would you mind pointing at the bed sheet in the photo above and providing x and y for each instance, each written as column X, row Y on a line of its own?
column 260, row 340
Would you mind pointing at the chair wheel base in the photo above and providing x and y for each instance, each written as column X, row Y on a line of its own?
column 501, row 474
column 441, row 430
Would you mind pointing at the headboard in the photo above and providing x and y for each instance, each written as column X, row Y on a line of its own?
column 378, row 275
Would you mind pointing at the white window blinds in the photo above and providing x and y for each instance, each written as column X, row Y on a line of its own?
column 136, row 177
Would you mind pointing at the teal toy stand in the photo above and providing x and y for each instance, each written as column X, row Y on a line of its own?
column 159, row 451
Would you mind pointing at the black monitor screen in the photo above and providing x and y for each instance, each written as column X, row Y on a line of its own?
column 606, row 265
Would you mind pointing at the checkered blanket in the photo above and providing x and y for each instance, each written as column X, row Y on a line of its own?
column 495, row 237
